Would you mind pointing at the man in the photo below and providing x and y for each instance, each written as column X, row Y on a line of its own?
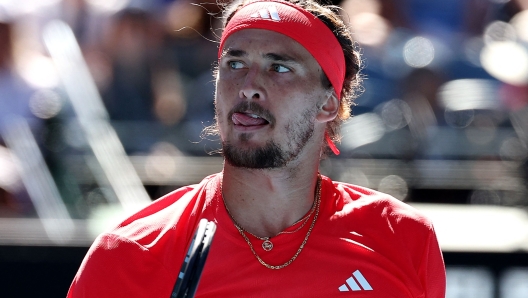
column 283, row 84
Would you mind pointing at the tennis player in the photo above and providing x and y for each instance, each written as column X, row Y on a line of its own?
column 287, row 75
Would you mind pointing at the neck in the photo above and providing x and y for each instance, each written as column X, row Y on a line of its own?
column 266, row 202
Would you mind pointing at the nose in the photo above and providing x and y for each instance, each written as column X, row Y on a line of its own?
column 252, row 87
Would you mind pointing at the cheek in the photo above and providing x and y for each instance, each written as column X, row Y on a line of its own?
column 220, row 106
column 221, row 120
column 305, row 89
column 226, row 88
column 222, row 103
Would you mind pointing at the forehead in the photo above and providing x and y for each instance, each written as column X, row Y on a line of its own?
column 265, row 41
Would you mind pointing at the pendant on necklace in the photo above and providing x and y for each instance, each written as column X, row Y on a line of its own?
column 267, row 245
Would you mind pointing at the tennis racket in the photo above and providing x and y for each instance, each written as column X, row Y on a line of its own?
column 192, row 267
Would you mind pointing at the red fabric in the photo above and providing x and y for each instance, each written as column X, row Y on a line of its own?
column 390, row 243
column 297, row 24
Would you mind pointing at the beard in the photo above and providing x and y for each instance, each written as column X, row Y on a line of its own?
column 272, row 155
column 266, row 157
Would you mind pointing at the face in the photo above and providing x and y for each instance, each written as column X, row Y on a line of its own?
column 268, row 95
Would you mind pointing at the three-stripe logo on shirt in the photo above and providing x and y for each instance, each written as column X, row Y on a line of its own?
column 268, row 13
column 357, row 282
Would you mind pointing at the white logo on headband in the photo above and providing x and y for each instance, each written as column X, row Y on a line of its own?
column 269, row 13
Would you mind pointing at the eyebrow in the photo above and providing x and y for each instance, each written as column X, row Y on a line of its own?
column 270, row 56
column 234, row 53
column 277, row 57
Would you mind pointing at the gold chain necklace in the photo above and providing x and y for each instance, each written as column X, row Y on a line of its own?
column 267, row 245
column 242, row 232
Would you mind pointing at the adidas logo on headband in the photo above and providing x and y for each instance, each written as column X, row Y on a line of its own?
column 269, row 13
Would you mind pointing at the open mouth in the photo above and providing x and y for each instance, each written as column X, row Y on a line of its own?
column 248, row 119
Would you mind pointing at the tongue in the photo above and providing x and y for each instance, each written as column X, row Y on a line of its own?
column 246, row 120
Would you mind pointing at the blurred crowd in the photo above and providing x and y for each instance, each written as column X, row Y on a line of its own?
column 443, row 79
column 435, row 65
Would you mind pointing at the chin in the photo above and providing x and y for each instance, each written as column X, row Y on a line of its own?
column 269, row 156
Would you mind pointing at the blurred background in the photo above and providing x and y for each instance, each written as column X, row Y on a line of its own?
column 103, row 103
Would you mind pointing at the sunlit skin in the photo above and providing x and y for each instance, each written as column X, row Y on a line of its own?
column 269, row 90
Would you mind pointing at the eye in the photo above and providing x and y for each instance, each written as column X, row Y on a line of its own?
column 236, row 64
column 280, row 68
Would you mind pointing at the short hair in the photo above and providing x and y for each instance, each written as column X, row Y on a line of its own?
column 329, row 15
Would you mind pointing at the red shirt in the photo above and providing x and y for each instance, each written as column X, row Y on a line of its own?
column 363, row 244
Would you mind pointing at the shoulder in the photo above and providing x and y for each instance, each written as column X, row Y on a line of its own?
column 373, row 206
column 384, row 222
column 153, row 238
column 390, row 228
column 114, row 265
column 164, row 214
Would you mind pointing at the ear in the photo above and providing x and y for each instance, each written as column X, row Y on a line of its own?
column 328, row 108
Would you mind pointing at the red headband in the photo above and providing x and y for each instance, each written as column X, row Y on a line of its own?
column 300, row 25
